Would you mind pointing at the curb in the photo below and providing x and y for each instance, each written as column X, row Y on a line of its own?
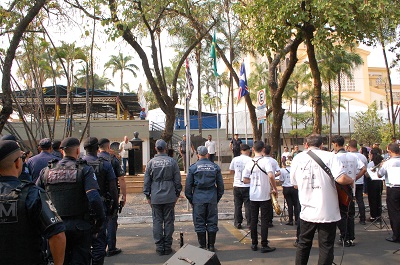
column 178, row 218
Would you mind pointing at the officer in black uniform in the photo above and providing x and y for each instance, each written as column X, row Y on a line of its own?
column 204, row 188
column 72, row 186
column 26, row 214
column 112, row 221
column 25, row 173
column 108, row 191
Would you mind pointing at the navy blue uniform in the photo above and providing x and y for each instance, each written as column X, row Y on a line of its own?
column 22, row 230
column 80, row 195
column 38, row 162
column 204, row 188
column 99, row 241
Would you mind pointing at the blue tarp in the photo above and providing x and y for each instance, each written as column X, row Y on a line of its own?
column 209, row 121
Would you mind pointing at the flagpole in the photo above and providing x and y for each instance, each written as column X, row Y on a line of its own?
column 218, row 143
column 245, row 120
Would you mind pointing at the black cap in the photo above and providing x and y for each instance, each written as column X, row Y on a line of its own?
column 56, row 144
column 8, row 147
column 103, row 141
column 161, row 145
column 45, row 143
column 9, row 137
column 90, row 141
column 244, row 147
column 69, row 142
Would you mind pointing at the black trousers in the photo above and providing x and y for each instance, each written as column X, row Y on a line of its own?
column 346, row 224
column 375, row 188
column 292, row 199
column 326, row 241
column 240, row 197
column 393, row 205
column 265, row 207
column 360, row 201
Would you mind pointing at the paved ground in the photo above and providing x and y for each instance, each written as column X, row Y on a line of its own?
column 135, row 238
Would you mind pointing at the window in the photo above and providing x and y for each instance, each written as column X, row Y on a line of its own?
column 347, row 84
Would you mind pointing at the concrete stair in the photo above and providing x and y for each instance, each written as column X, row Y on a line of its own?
column 134, row 184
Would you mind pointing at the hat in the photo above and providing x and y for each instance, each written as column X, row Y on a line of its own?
column 45, row 143
column 184, row 135
column 8, row 147
column 90, row 141
column 161, row 145
column 56, row 144
column 9, row 137
column 244, row 147
column 69, row 142
column 202, row 150
column 103, row 141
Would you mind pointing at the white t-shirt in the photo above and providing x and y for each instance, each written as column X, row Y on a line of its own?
column 285, row 177
column 373, row 174
column 125, row 147
column 317, row 191
column 260, row 186
column 391, row 166
column 352, row 165
column 237, row 164
column 364, row 161
column 210, row 147
column 274, row 164
column 286, row 154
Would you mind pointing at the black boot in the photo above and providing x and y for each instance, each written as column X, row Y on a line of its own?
column 211, row 241
column 201, row 237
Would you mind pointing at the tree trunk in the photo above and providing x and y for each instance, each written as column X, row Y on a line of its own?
column 6, row 111
column 317, row 100
column 199, row 99
column 340, row 100
column 393, row 121
column 330, row 112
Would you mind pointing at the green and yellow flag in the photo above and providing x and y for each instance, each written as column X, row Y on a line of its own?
column 213, row 54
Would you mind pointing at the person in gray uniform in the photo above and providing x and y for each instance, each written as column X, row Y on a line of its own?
column 204, row 189
column 162, row 187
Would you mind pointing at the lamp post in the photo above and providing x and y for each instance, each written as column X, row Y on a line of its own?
column 348, row 114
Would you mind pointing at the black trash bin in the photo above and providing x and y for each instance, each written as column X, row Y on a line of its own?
column 135, row 158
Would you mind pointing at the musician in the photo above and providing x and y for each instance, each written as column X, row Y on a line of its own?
column 289, row 192
column 359, row 192
column 391, row 170
column 318, row 199
column 260, row 175
column 276, row 171
column 352, row 165
column 375, row 185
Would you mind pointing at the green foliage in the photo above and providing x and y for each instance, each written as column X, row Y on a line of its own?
column 367, row 126
column 386, row 134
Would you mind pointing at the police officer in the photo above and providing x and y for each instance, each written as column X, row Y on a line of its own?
column 40, row 161
column 25, row 173
column 162, row 187
column 108, row 191
column 204, row 188
column 73, row 188
column 112, row 225
column 26, row 214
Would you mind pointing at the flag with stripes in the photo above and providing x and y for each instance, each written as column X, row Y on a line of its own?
column 243, row 89
column 189, row 81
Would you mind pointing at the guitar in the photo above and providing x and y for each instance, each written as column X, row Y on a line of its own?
column 345, row 194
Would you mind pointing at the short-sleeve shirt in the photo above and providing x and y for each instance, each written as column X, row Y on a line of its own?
column 236, row 145
column 284, row 177
column 364, row 161
column 237, row 164
column 260, row 186
column 391, row 166
column 125, row 147
column 352, row 165
column 317, row 191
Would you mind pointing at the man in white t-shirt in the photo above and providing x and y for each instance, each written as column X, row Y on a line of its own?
column 124, row 148
column 260, row 175
column 318, row 199
column 352, row 165
column 240, row 189
column 276, row 171
column 210, row 144
column 359, row 191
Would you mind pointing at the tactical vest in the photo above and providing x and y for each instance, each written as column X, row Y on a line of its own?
column 98, row 167
column 64, row 184
column 20, row 242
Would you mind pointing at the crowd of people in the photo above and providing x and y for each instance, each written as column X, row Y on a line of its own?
column 68, row 204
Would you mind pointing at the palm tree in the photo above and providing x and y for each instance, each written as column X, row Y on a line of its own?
column 121, row 63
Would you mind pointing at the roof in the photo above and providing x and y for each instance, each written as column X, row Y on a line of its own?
column 103, row 101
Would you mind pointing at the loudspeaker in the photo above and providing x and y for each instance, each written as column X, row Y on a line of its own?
column 189, row 254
